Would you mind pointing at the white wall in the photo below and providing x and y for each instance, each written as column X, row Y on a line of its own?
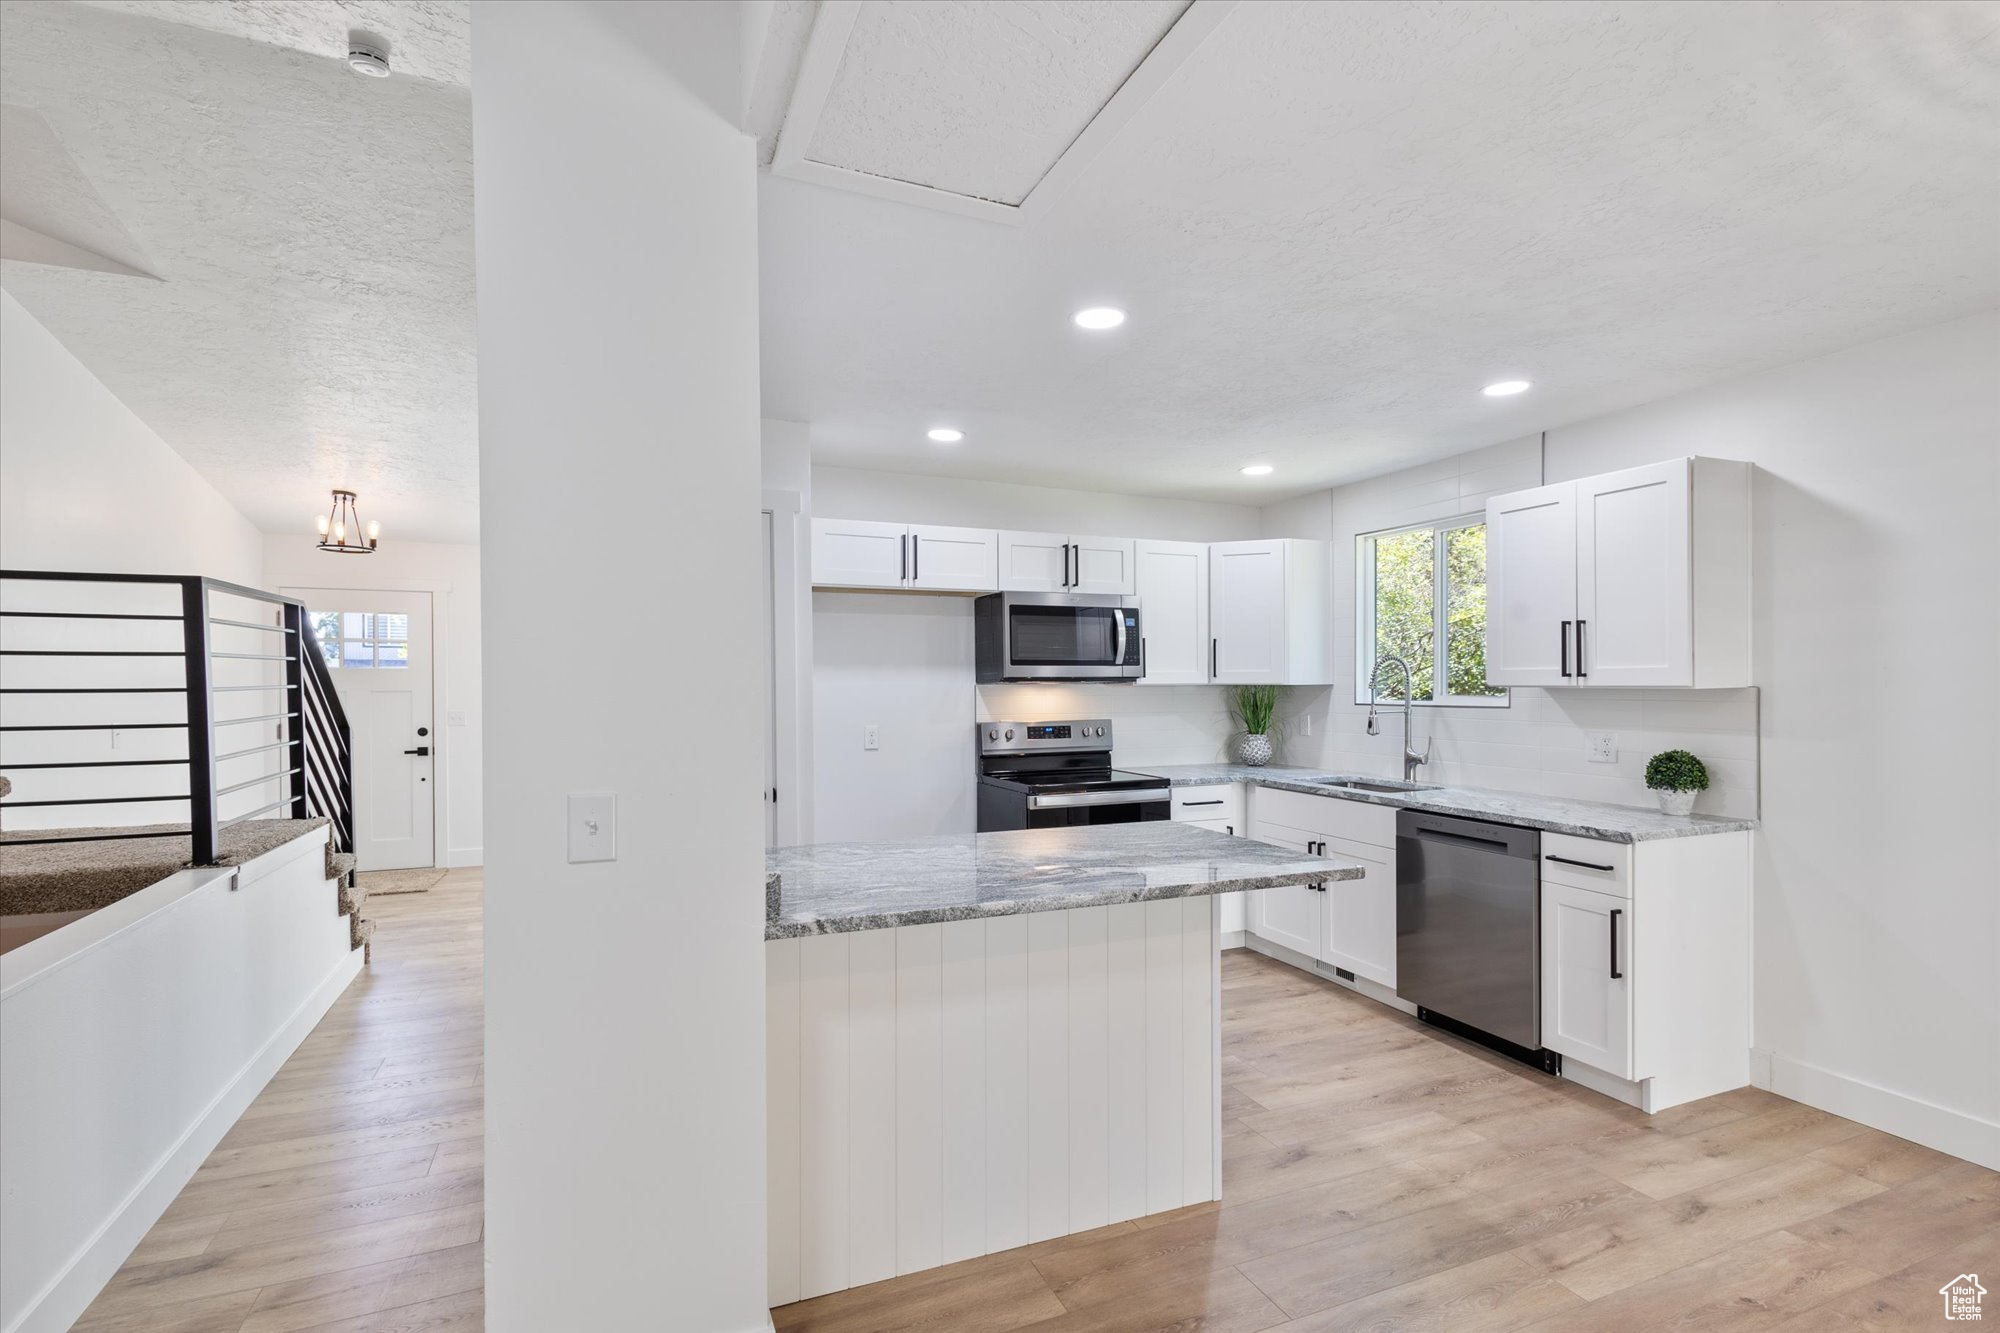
column 904, row 663
column 450, row 573
column 616, row 235
column 86, row 485
column 1538, row 743
column 1877, row 630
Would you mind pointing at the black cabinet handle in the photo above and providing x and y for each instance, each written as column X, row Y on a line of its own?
column 1230, row 829
column 1616, row 912
column 1581, row 674
column 916, row 548
column 1142, row 656
column 903, row 557
column 1201, row 802
column 1211, row 659
column 1565, row 649
column 1586, row 865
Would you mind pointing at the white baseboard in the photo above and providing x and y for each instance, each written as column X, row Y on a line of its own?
column 65, row 1299
column 456, row 857
column 1604, row 1084
column 1897, row 1113
column 1232, row 939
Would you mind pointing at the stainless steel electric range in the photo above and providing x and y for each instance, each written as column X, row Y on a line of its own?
column 1052, row 774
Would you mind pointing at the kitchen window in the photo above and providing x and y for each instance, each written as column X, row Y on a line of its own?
column 1422, row 597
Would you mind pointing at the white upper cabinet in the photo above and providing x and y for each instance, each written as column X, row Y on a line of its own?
column 850, row 553
column 1638, row 578
column 1270, row 613
column 953, row 559
column 1531, row 586
column 1060, row 562
column 1172, row 580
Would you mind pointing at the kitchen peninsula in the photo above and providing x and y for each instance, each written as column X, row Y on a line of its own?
column 981, row 1041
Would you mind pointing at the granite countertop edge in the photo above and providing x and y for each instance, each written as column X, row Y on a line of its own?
column 796, row 926
column 1578, row 819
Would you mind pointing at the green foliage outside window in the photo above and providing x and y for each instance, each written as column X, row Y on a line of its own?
column 1406, row 611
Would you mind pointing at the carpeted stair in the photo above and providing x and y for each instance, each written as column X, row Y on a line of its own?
column 352, row 893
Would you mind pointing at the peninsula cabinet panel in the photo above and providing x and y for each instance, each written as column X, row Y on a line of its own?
column 939, row 1092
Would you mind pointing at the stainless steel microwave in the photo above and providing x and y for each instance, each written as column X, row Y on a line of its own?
column 1057, row 636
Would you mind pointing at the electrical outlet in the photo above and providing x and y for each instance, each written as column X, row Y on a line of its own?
column 115, row 736
column 1305, row 724
column 1603, row 747
column 871, row 737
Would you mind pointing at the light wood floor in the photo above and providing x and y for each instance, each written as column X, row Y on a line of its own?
column 1381, row 1176
column 348, row 1197
column 1378, row 1176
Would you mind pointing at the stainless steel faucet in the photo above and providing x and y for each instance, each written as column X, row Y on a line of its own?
column 1410, row 757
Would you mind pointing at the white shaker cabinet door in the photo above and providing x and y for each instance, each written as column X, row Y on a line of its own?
column 1531, row 587
column 1587, row 976
column 851, row 553
column 1034, row 562
column 1358, row 916
column 1247, row 605
column 1101, row 566
column 1288, row 915
column 1172, row 578
column 953, row 559
column 1634, row 581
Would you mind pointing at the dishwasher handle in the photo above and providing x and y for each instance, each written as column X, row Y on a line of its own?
column 1472, row 834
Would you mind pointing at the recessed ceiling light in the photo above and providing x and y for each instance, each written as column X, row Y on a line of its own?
column 1506, row 388
column 1258, row 470
column 946, row 435
column 1100, row 317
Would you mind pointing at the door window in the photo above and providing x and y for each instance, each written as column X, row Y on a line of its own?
column 363, row 640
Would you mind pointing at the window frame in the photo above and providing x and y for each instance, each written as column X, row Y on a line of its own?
column 1364, row 614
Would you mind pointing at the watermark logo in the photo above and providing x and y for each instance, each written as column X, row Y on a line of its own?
column 1961, row 1296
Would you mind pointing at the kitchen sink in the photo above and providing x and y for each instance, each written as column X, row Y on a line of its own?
column 1362, row 784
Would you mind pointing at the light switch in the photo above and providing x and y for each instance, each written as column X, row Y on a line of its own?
column 593, row 827
column 871, row 737
column 1603, row 747
column 454, row 718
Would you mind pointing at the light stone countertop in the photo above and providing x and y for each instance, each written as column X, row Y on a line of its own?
column 1552, row 814
column 828, row 888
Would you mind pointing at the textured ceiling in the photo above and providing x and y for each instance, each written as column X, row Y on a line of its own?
column 1337, row 221
column 979, row 99
column 428, row 39
column 313, row 325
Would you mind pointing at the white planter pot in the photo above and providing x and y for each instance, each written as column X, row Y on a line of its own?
column 1676, row 802
column 1254, row 750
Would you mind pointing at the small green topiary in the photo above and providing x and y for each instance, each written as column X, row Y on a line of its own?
column 1676, row 770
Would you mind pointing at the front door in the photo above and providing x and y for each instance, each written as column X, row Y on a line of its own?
column 377, row 647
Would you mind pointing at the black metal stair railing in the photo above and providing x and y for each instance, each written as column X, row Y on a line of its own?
column 316, row 774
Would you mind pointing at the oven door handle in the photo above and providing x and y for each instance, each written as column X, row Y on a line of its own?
column 1069, row 800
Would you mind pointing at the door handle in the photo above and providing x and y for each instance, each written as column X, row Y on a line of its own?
column 1616, row 912
column 420, row 750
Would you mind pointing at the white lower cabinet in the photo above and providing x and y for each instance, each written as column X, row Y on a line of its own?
column 1587, row 950
column 1358, row 916
column 1219, row 809
column 1288, row 916
column 1646, row 964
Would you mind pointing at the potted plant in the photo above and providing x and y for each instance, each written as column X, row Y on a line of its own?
column 1678, row 777
column 1256, row 707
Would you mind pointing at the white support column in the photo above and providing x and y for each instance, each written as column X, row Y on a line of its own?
column 616, row 232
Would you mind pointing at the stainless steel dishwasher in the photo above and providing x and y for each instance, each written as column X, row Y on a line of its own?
column 1469, row 930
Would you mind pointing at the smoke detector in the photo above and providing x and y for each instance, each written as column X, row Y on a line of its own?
column 366, row 56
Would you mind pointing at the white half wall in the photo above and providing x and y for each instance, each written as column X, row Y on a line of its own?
column 450, row 573
column 86, row 485
column 618, row 411
column 1877, row 915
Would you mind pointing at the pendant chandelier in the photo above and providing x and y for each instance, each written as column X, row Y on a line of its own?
column 340, row 528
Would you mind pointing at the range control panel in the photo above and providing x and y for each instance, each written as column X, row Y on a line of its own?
column 1038, row 737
